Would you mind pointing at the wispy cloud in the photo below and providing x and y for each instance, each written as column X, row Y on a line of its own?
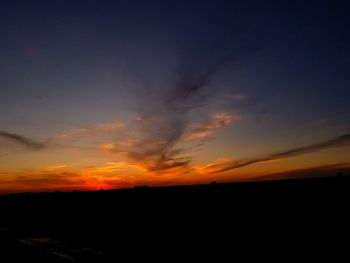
column 216, row 121
column 319, row 171
column 22, row 140
column 155, row 152
column 163, row 119
column 343, row 140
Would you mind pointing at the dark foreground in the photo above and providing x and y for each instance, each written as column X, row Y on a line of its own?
column 280, row 220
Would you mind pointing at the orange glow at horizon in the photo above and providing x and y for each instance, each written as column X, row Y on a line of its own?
column 110, row 164
column 124, row 175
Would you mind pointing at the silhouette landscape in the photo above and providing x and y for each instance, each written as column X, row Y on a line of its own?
column 216, row 222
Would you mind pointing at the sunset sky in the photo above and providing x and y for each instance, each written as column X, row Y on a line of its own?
column 113, row 94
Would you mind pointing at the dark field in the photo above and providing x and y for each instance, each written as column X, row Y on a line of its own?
column 274, row 220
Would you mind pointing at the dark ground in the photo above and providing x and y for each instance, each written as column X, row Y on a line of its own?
column 277, row 220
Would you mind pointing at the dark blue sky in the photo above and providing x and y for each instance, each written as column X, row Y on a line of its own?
column 54, row 50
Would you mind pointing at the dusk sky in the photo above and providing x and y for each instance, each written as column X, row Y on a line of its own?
column 113, row 94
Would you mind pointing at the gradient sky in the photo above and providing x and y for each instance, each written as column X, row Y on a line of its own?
column 109, row 94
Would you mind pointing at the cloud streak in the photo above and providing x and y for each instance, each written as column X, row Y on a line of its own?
column 22, row 140
column 216, row 121
column 319, row 171
column 343, row 140
column 163, row 120
column 165, row 117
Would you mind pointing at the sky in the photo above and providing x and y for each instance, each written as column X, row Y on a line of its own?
column 115, row 94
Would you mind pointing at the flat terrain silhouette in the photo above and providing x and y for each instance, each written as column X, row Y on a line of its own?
column 271, row 220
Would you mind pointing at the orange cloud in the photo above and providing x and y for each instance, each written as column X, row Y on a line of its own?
column 110, row 127
column 216, row 121
column 107, row 146
column 112, row 167
column 56, row 167
column 162, row 154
